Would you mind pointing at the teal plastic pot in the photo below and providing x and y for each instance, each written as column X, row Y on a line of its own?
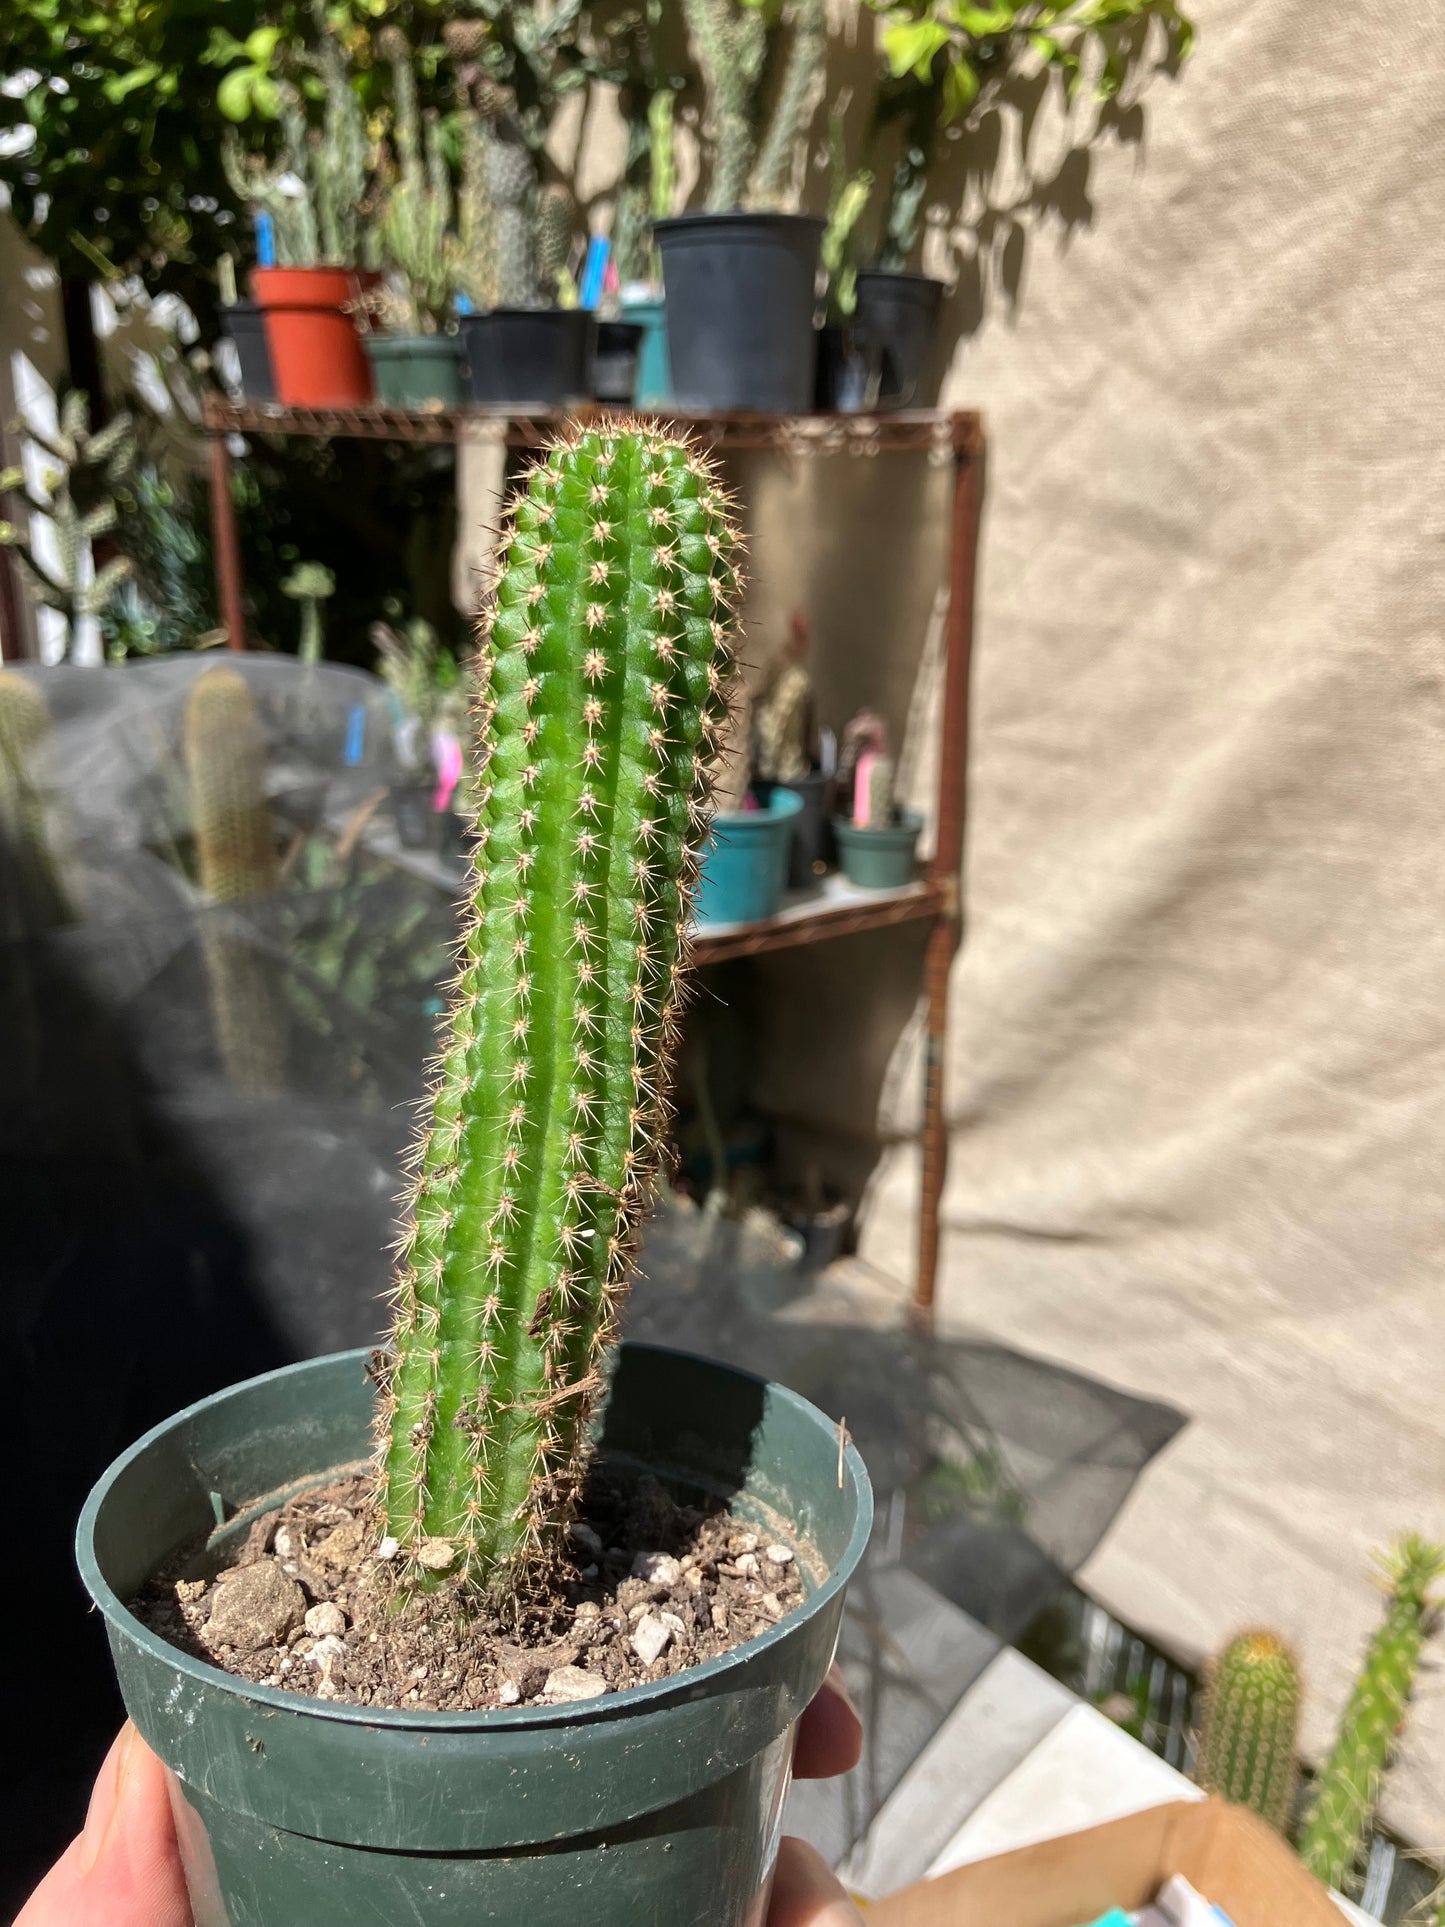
column 653, row 385
column 413, row 371
column 878, row 859
column 745, row 861
column 656, row 1805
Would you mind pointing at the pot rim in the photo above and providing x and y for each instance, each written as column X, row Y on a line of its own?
column 677, row 1687
column 901, row 274
column 736, row 217
column 910, row 822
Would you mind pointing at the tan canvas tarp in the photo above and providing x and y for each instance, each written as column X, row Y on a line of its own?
column 1197, row 1067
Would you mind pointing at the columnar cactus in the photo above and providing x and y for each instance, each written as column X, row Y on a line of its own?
column 783, row 715
column 416, row 218
column 476, row 104
column 1345, row 1795
column 602, row 682
column 793, row 109
column 510, row 178
column 1247, row 1744
column 556, row 214
column 731, row 39
column 235, row 859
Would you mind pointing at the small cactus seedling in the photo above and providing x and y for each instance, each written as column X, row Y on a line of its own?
column 1374, row 1717
column 873, row 791
column 602, row 682
column 235, row 860
column 310, row 584
column 1247, row 1745
column 416, row 216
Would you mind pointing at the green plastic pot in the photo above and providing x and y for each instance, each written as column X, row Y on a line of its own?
column 413, row 371
column 878, row 859
column 660, row 1804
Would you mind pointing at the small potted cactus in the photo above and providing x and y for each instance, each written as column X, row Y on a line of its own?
column 739, row 275
column 878, row 842
column 314, row 292
column 486, row 1731
column 528, row 343
column 783, row 737
column 415, row 361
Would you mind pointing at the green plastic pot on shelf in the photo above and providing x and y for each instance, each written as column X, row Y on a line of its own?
column 415, row 371
column 660, row 1803
column 880, row 859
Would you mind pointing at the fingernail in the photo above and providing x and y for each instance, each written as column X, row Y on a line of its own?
column 104, row 1801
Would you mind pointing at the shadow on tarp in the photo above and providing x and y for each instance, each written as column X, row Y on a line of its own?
column 996, row 1475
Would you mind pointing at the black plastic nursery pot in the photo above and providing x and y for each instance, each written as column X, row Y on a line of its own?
column 246, row 327
column 848, row 372
column 811, row 846
column 659, row 1806
column 528, row 357
column 740, row 292
column 614, row 360
column 897, row 314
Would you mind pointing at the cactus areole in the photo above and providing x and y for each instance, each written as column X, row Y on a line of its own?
column 602, row 684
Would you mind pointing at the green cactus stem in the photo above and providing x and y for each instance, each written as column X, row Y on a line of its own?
column 602, row 684
column 1250, row 1734
column 793, row 110
column 415, row 228
column 476, row 267
column 1348, row 1788
column 783, row 714
column 510, row 178
column 33, row 899
column 555, row 217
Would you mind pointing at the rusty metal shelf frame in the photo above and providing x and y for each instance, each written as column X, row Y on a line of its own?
column 955, row 438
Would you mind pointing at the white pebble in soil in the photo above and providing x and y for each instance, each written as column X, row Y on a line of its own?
column 572, row 1683
column 508, row 1693
column 747, row 1562
column 657, row 1568
column 389, row 1548
column 325, row 1653
column 650, row 1638
column 325, row 1618
column 780, row 1555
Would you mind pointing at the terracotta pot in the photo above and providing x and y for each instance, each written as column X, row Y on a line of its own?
column 316, row 351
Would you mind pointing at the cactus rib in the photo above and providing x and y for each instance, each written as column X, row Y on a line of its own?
column 603, row 682
column 1247, row 1744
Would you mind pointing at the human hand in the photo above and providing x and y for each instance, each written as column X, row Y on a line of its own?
column 830, row 1741
column 124, row 1870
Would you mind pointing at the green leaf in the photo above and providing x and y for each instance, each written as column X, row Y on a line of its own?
column 117, row 87
column 981, row 21
column 960, row 89
column 261, row 44
column 234, row 94
column 910, row 46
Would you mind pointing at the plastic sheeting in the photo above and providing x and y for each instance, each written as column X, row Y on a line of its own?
column 202, row 1112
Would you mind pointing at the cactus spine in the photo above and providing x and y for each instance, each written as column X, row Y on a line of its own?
column 32, row 896
column 602, row 683
column 1247, row 1745
column 1345, row 1795
column 415, row 227
column 235, row 860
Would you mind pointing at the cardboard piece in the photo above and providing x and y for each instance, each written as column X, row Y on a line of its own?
column 1225, row 1852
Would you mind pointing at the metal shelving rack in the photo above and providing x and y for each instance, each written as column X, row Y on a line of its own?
column 956, row 438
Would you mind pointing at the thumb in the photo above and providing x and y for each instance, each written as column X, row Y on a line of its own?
column 805, row 1894
column 124, row 1869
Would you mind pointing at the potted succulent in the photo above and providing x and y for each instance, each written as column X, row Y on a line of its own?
column 945, row 62
column 428, row 725
column 311, row 296
column 740, row 275
column 415, row 362
column 783, row 736
column 877, row 843
column 528, row 343
column 749, row 842
column 471, row 1722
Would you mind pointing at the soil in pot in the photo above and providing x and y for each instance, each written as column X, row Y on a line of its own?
column 305, row 1603
column 740, row 291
